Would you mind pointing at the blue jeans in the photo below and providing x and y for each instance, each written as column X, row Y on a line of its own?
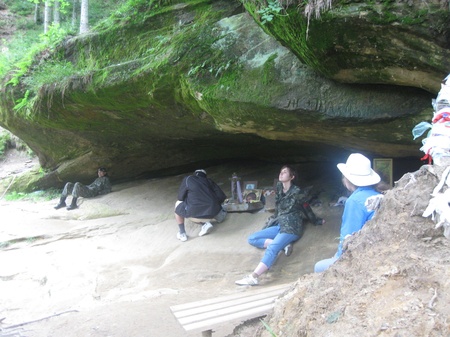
column 323, row 265
column 280, row 240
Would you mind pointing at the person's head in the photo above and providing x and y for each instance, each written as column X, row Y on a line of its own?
column 200, row 173
column 357, row 172
column 288, row 174
column 102, row 172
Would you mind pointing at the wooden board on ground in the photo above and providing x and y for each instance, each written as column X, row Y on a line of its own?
column 203, row 316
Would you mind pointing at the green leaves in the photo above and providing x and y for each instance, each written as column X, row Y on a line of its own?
column 268, row 13
column 22, row 102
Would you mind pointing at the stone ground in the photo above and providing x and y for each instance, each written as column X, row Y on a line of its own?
column 113, row 267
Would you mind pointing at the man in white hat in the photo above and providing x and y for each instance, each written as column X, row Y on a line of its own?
column 361, row 181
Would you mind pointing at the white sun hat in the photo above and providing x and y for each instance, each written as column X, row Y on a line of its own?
column 358, row 170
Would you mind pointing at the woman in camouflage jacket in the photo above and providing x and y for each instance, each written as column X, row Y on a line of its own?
column 284, row 227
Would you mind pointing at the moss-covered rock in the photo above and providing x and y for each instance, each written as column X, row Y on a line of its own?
column 174, row 87
column 391, row 42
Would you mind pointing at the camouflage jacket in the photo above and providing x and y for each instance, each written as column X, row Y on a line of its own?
column 289, row 211
column 101, row 185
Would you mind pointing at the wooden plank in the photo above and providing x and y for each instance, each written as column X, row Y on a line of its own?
column 254, row 291
column 236, row 317
column 228, row 310
column 198, row 308
column 205, row 314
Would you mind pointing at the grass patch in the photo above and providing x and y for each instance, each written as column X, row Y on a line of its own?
column 28, row 240
column 268, row 328
column 36, row 196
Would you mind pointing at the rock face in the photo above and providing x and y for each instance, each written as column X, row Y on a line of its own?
column 201, row 82
column 394, row 43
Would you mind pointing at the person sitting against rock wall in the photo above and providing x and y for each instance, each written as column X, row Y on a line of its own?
column 361, row 180
column 101, row 185
column 284, row 227
column 201, row 198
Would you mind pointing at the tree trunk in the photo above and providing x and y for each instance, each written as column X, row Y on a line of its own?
column 75, row 5
column 47, row 15
column 84, row 21
column 37, row 13
column 56, row 17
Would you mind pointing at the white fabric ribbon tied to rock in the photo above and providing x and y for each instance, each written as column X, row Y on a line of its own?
column 438, row 207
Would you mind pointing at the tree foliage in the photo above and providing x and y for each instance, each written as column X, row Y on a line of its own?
column 28, row 26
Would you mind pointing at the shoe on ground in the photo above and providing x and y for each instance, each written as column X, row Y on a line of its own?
column 60, row 205
column 288, row 249
column 182, row 236
column 319, row 222
column 249, row 280
column 206, row 228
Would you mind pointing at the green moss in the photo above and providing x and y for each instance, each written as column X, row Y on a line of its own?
column 154, row 39
column 243, row 102
column 329, row 44
column 292, row 29
column 25, row 183
column 268, row 70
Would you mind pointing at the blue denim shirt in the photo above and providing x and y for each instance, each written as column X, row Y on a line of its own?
column 355, row 213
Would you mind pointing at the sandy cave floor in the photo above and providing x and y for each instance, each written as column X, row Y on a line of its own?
column 113, row 267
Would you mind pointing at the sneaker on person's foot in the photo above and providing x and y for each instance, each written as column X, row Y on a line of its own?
column 249, row 280
column 206, row 228
column 60, row 205
column 288, row 249
column 319, row 222
column 182, row 236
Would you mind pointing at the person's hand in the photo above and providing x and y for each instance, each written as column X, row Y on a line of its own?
column 269, row 222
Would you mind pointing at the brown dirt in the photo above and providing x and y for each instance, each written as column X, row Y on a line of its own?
column 113, row 267
column 12, row 164
column 15, row 162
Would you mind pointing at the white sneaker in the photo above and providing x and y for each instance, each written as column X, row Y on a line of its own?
column 249, row 280
column 182, row 236
column 288, row 249
column 206, row 228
